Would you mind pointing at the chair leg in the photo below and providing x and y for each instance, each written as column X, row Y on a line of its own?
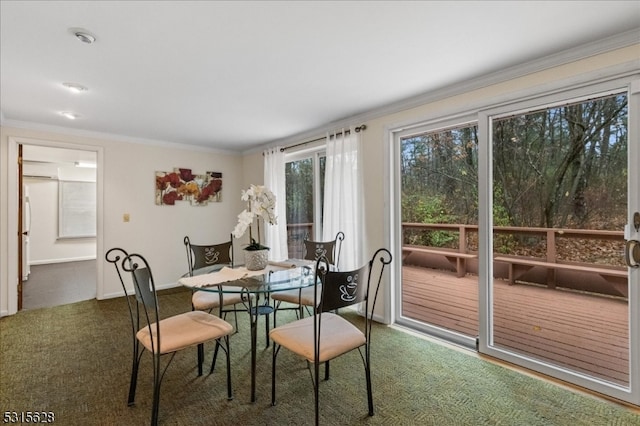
column 326, row 370
column 369, row 390
column 266, row 329
column 316, row 390
column 134, row 374
column 200, row 358
column 215, row 356
column 228, row 352
column 276, row 305
column 235, row 315
column 155, row 408
column 158, row 375
column 276, row 349
column 367, row 373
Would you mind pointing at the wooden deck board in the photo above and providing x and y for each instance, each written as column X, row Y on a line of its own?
column 580, row 331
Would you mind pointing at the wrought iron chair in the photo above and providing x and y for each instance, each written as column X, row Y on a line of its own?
column 326, row 335
column 303, row 298
column 115, row 257
column 209, row 258
column 163, row 336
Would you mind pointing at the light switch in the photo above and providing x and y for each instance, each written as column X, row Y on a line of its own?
column 126, row 217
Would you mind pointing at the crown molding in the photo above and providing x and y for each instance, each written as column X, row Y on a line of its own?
column 27, row 125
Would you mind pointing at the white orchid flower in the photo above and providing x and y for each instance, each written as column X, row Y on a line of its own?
column 261, row 203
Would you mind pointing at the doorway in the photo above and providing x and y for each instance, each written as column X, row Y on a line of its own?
column 61, row 228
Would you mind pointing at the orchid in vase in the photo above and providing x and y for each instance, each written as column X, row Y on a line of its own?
column 261, row 203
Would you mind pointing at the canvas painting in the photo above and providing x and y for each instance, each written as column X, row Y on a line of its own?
column 183, row 185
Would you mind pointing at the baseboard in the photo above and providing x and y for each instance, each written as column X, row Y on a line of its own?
column 65, row 260
column 121, row 293
column 375, row 317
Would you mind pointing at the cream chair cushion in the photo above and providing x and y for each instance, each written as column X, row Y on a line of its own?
column 184, row 330
column 206, row 300
column 338, row 336
column 303, row 297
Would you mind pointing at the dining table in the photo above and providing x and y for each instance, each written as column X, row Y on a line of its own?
column 255, row 286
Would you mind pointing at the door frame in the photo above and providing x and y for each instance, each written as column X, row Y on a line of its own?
column 13, row 268
column 458, row 121
column 631, row 393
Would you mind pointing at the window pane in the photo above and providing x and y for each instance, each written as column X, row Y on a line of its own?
column 560, row 167
column 440, row 215
column 439, row 183
column 299, row 184
column 559, row 209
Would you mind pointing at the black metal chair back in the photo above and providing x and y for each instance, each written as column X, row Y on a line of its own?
column 202, row 256
column 115, row 256
column 346, row 288
column 314, row 250
column 145, row 293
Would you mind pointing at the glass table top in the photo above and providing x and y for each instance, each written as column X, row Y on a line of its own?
column 271, row 280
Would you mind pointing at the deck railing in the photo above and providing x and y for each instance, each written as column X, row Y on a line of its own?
column 550, row 234
column 296, row 233
column 467, row 236
column 522, row 254
column 520, row 244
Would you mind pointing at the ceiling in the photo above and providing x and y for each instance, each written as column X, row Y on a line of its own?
column 237, row 75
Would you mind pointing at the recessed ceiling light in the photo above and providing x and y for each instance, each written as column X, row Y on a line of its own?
column 83, row 35
column 69, row 115
column 75, row 87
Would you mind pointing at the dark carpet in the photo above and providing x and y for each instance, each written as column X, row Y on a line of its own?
column 56, row 284
column 74, row 360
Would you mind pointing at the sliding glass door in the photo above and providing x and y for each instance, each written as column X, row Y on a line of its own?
column 438, row 289
column 520, row 236
column 558, row 296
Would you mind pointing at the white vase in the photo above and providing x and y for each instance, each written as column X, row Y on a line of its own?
column 255, row 260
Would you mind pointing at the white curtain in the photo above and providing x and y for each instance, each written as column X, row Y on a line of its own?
column 274, row 179
column 344, row 197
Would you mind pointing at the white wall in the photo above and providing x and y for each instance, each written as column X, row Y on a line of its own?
column 45, row 247
column 44, row 244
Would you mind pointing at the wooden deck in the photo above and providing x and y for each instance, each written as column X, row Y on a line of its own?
column 581, row 331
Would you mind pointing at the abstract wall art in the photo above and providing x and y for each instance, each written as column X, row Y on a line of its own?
column 183, row 185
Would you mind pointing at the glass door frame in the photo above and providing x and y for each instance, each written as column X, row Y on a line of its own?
column 458, row 121
column 485, row 221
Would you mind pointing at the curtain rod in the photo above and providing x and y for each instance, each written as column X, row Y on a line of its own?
column 346, row 132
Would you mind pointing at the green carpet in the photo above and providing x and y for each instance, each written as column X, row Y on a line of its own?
column 75, row 360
